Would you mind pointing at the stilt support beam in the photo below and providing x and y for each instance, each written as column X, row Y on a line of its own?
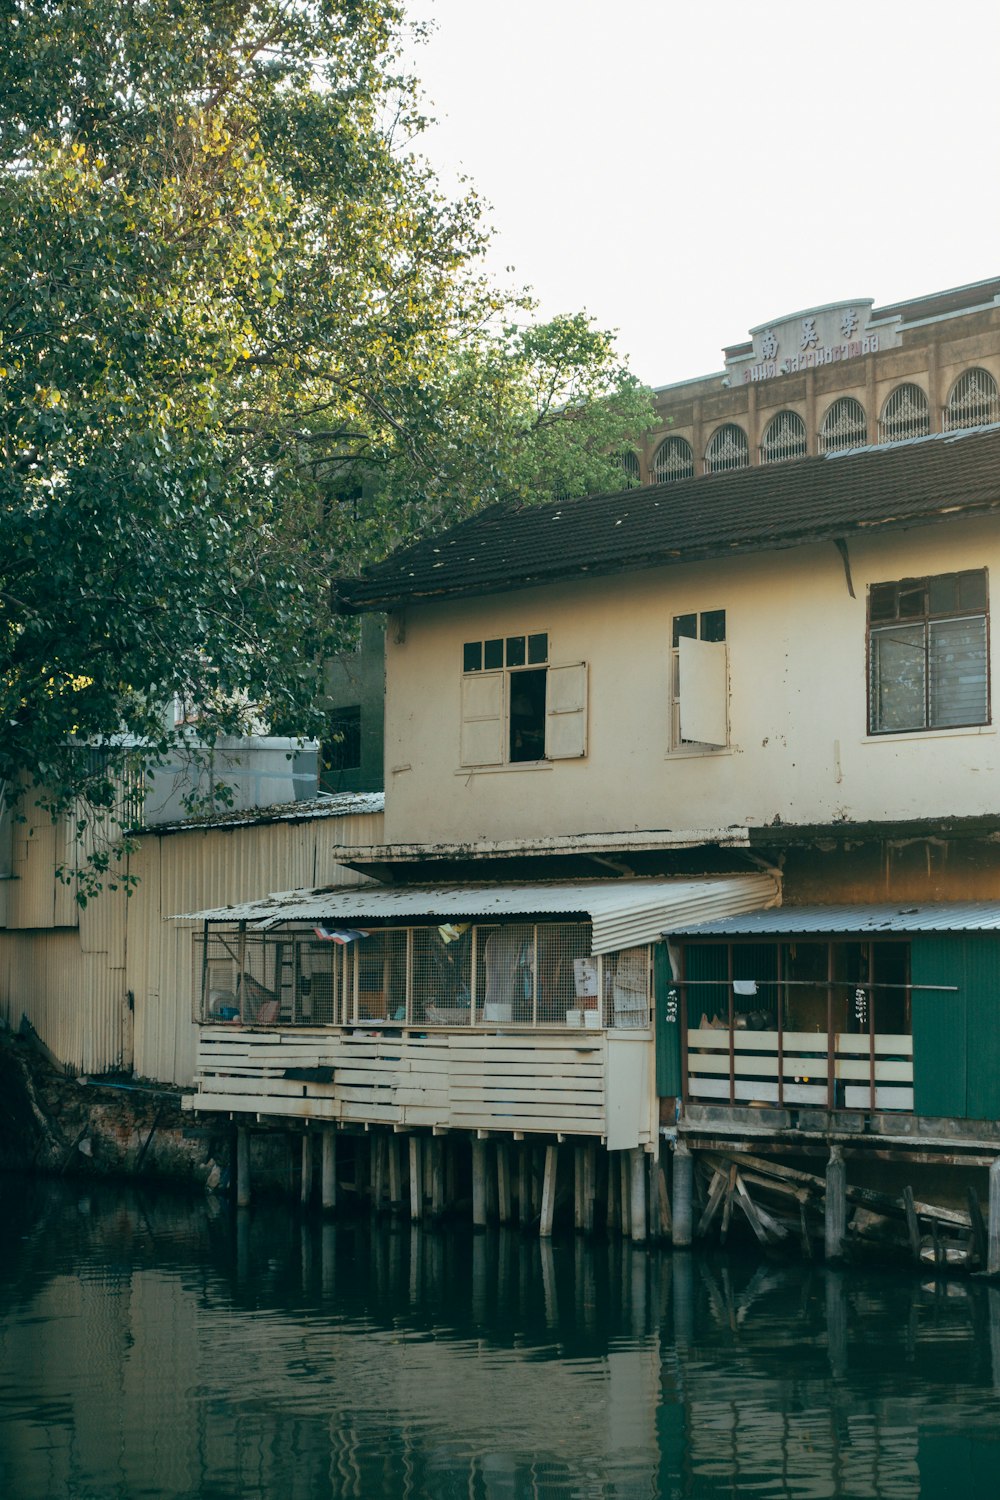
column 835, row 1219
column 328, row 1171
column 683, row 1196
column 242, row 1167
column 549, row 1191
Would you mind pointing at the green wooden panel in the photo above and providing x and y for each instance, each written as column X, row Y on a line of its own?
column 940, row 1026
column 982, row 980
column 668, row 1026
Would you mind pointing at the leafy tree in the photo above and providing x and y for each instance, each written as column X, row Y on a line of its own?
column 230, row 290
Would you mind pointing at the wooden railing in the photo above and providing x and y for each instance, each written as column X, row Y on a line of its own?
column 800, row 1067
column 555, row 1083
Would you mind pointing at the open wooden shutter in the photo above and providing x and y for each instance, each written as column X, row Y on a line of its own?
column 482, row 719
column 566, row 712
column 704, row 692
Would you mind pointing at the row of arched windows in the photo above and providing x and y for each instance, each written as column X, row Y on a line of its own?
column 974, row 402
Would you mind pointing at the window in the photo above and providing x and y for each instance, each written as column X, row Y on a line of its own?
column 516, row 707
column 342, row 745
column 628, row 462
column 456, row 974
column 904, row 415
column 784, row 438
column 699, row 694
column 973, row 402
column 673, row 460
column 845, row 426
column 728, row 449
column 928, row 653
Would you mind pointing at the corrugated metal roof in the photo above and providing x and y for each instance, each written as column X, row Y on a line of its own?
column 623, row 912
column 336, row 805
column 748, row 510
column 938, row 916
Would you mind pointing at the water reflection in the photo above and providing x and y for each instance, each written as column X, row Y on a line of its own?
column 156, row 1347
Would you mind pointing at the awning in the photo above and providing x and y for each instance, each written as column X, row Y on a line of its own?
column 623, row 912
column 898, row 917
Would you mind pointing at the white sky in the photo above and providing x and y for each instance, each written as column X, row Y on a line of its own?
column 684, row 172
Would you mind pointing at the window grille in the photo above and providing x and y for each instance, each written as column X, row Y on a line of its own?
column 844, row 426
column 379, row 970
column 728, row 449
column 673, row 460
column 628, row 462
column 249, row 981
column 784, row 438
column 627, row 988
column 904, row 415
column 928, row 653
column 974, row 401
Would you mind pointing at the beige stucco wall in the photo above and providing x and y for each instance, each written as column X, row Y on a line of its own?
column 799, row 749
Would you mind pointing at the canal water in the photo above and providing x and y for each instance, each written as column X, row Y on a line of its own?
column 160, row 1346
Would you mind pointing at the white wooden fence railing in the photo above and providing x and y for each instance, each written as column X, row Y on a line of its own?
column 581, row 1084
column 797, row 1067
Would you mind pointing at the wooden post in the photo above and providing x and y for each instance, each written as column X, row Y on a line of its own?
column 835, row 1217
column 378, row 1172
column 524, row 1185
column 549, row 1191
column 478, row 1184
column 637, row 1195
column 492, row 1184
column 625, row 1177
column 242, row 1167
column 437, row 1177
column 683, row 1209
column 416, row 1179
column 912, row 1223
column 614, row 1193
column 579, row 1210
column 503, row 1183
column 305, row 1186
column 993, row 1228
column 395, row 1175
column 328, row 1170
column 589, row 1185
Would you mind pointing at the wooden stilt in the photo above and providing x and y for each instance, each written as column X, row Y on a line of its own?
column 416, row 1179
column 993, row 1227
column 537, row 1174
column 637, row 1195
column 305, row 1186
column 912, row 1223
column 328, row 1170
column 437, row 1176
column 614, row 1193
column 625, row 1194
column 478, row 1184
column 378, row 1172
column 449, row 1150
column 362, row 1164
column 835, row 1217
column 979, row 1236
column 683, row 1215
column 579, row 1211
column 242, row 1167
column 589, row 1185
column 395, row 1175
column 524, row 1185
column 492, row 1184
column 549, row 1191
column 503, row 1183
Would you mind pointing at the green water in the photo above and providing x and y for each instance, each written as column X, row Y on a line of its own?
column 154, row 1346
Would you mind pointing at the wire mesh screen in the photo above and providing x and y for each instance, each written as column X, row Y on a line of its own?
column 248, row 980
column 320, row 993
column 379, row 973
column 441, row 982
column 627, row 987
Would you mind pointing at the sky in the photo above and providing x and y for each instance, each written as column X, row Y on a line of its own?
column 687, row 172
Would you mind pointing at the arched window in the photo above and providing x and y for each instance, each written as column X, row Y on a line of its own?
column 844, row 426
column 628, row 462
column 904, row 415
column 673, row 460
column 728, row 449
column 784, row 438
column 973, row 402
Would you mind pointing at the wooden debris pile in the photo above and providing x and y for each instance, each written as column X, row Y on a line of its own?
column 784, row 1207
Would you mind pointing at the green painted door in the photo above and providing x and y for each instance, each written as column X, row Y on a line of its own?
column 956, row 1037
column 668, row 1026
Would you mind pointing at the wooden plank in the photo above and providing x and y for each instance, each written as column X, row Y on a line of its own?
column 887, row 1072
column 560, row 1097
column 886, row 1097
column 763, row 1067
column 539, row 1126
column 306, row 1109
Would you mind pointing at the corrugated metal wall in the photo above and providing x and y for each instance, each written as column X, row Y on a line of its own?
column 73, row 983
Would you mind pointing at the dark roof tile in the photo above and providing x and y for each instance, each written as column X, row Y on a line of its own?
column 750, row 510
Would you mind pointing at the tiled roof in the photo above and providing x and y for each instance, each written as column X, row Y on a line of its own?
column 749, row 510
